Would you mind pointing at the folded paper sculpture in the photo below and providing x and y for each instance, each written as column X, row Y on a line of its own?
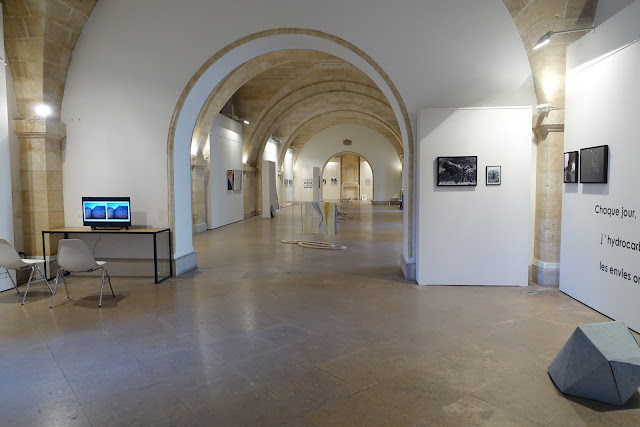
column 601, row 361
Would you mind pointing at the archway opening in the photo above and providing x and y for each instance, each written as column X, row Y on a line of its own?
column 289, row 115
column 348, row 177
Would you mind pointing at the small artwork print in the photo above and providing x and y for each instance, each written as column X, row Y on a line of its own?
column 571, row 167
column 594, row 162
column 229, row 179
column 367, row 181
column 324, row 181
column 237, row 180
column 457, row 171
column 334, row 181
column 494, row 175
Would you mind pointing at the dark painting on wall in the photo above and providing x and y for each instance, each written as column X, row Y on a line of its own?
column 229, row 179
column 457, row 171
column 494, row 175
column 571, row 167
column 594, row 165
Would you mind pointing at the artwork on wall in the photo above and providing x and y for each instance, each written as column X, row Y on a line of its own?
column 307, row 183
column 494, row 175
column 457, row 171
column 594, row 163
column 334, row 181
column 237, row 180
column 571, row 167
column 229, row 179
column 324, row 181
column 367, row 181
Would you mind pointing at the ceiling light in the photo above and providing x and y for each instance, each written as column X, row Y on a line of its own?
column 546, row 38
column 246, row 122
column 43, row 110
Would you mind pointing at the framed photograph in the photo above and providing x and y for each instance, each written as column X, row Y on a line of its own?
column 571, row 167
column 594, row 165
column 229, row 179
column 494, row 175
column 237, row 180
column 457, row 171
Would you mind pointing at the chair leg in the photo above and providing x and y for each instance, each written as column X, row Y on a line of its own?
column 33, row 268
column 59, row 275
column 55, row 287
column 11, row 278
column 101, row 286
column 109, row 279
column 44, row 278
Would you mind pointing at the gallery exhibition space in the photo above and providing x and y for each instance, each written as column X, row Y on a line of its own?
column 299, row 212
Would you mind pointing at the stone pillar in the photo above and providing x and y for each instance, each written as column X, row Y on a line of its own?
column 248, row 190
column 549, row 131
column 198, row 195
column 41, row 180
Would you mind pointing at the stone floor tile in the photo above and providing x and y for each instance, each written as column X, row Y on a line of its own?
column 469, row 411
column 135, row 407
column 306, row 390
column 252, row 407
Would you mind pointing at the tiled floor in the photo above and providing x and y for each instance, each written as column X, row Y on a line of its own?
column 266, row 333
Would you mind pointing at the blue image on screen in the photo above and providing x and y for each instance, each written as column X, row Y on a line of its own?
column 118, row 211
column 95, row 210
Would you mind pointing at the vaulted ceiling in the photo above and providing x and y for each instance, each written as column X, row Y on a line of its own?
column 296, row 99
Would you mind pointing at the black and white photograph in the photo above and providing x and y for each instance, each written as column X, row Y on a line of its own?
column 457, row 171
column 594, row 164
column 494, row 175
column 571, row 167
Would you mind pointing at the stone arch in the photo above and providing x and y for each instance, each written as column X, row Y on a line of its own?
column 214, row 71
column 373, row 173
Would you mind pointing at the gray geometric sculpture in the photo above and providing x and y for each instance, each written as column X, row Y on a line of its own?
column 601, row 361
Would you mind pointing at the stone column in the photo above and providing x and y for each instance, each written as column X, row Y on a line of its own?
column 41, row 180
column 198, row 196
column 549, row 130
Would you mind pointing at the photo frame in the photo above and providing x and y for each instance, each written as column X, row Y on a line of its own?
column 571, row 161
column 494, row 175
column 237, row 180
column 229, row 179
column 594, row 164
column 457, row 171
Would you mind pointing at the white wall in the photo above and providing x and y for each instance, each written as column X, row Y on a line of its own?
column 6, row 206
column 366, row 173
column 475, row 235
column 602, row 108
column 608, row 8
column 225, row 152
column 134, row 59
column 366, row 142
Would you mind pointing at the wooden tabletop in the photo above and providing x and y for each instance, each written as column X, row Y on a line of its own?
column 102, row 230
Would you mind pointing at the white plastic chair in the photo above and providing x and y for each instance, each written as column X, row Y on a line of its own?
column 75, row 256
column 9, row 259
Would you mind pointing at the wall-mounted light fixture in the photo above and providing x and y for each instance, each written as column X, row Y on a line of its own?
column 236, row 118
column 43, row 111
column 547, row 37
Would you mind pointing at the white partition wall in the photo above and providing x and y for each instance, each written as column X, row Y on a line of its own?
column 475, row 235
column 6, row 205
column 224, row 206
column 600, row 250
